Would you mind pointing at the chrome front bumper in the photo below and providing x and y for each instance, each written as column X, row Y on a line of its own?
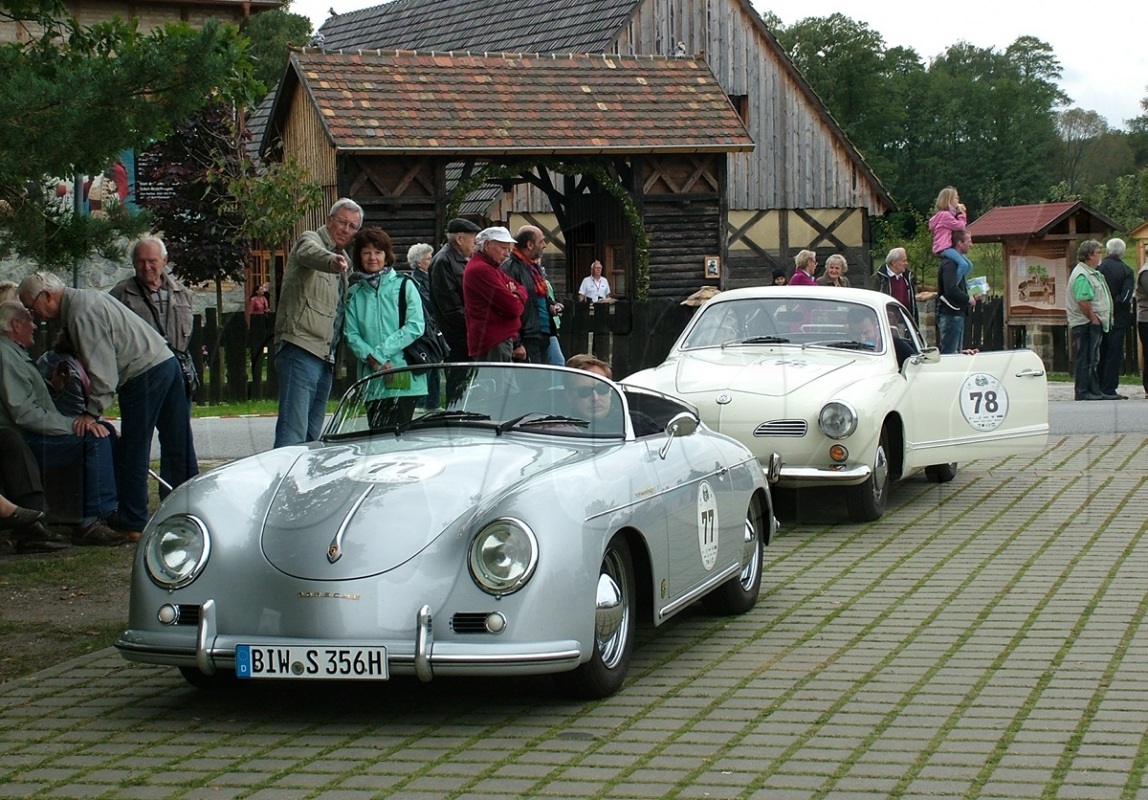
column 422, row 657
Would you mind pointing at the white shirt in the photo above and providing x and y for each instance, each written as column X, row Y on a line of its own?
column 594, row 289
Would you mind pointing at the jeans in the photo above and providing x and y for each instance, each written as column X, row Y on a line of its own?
column 304, row 388
column 1087, row 338
column 1111, row 359
column 95, row 456
column 951, row 329
column 155, row 401
column 554, row 353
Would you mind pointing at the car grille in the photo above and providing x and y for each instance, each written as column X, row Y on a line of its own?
column 782, row 427
column 469, row 622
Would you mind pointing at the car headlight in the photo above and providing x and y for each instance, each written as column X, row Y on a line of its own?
column 177, row 551
column 503, row 556
column 837, row 420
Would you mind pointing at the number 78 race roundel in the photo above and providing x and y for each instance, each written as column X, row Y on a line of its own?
column 984, row 401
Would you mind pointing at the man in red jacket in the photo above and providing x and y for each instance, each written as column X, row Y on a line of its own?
column 493, row 301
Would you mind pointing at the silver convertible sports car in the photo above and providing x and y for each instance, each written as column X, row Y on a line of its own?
column 840, row 383
column 523, row 528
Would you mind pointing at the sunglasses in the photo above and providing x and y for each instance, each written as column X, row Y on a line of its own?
column 585, row 391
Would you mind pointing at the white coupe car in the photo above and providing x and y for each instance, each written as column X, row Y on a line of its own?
column 841, row 384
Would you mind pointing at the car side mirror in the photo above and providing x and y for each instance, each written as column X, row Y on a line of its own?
column 683, row 424
column 930, row 355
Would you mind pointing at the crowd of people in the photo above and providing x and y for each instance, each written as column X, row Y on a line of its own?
column 485, row 289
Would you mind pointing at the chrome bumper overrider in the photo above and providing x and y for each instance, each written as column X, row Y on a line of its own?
column 422, row 657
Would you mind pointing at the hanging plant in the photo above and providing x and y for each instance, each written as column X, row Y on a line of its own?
column 497, row 172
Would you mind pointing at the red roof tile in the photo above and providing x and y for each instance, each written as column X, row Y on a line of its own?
column 519, row 103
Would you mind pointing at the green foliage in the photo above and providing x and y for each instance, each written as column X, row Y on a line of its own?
column 270, row 200
column 77, row 95
column 271, row 32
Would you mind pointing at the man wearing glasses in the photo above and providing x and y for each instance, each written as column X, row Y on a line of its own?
column 309, row 322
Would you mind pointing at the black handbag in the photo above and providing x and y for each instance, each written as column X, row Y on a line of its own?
column 431, row 347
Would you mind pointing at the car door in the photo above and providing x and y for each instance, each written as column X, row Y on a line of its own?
column 704, row 525
column 962, row 407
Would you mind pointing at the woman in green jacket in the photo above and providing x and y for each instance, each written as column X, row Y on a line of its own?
column 372, row 328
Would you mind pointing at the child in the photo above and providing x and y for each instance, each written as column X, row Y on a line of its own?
column 949, row 217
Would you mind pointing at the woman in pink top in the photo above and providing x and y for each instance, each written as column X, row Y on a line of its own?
column 949, row 217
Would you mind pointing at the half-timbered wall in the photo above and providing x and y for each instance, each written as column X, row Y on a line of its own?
column 680, row 198
column 401, row 194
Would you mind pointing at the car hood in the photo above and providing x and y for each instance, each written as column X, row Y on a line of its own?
column 349, row 511
column 775, row 373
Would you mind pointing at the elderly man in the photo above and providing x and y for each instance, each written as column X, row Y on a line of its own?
column 55, row 440
column 446, row 271
column 1121, row 284
column 309, row 323
column 1089, row 308
column 895, row 279
column 493, row 300
column 159, row 299
column 124, row 354
column 523, row 266
column 594, row 288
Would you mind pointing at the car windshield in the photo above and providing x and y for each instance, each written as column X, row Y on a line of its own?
column 502, row 397
column 786, row 320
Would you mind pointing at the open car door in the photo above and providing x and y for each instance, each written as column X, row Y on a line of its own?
column 961, row 407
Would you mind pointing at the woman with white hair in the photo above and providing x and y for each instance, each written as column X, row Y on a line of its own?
column 835, row 269
column 419, row 258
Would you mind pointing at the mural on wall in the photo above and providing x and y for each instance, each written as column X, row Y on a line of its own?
column 1036, row 286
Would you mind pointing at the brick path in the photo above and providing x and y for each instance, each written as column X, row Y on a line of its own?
column 984, row 639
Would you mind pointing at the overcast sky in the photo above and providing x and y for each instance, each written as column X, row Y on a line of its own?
column 1105, row 65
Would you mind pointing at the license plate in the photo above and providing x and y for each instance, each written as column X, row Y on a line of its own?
column 311, row 661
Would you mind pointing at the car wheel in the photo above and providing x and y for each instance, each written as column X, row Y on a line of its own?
column 941, row 473
column 201, row 680
column 614, row 623
column 866, row 501
column 739, row 594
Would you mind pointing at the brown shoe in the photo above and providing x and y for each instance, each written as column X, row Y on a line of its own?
column 98, row 534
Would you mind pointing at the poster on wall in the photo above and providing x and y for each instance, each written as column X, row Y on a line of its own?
column 1036, row 286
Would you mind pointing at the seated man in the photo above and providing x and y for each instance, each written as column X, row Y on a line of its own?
column 55, row 440
column 592, row 400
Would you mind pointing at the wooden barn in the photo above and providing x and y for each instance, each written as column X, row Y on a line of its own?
column 639, row 145
column 804, row 185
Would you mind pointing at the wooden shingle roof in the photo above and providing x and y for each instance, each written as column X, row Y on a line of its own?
column 539, row 26
column 405, row 102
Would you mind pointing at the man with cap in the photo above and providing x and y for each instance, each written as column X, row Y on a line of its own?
column 493, row 301
column 446, row 271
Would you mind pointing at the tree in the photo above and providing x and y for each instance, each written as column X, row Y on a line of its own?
column 1080, row 132
column 201, row 226
column 271, row 33
column 75, row 96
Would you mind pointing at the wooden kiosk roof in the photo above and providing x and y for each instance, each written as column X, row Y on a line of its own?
column 1044, row 220
column 406, row 102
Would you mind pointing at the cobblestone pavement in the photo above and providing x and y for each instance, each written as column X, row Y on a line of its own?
column 986, row 638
